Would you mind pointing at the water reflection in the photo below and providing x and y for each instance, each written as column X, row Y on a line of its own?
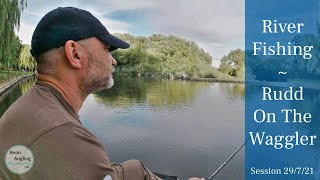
column 156, row 93
column 234, row 91
column 15, row 93
column 168, row 124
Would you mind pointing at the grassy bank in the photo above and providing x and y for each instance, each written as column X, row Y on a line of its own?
column 12, row 75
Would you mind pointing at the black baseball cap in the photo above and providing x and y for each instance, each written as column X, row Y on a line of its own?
column 70, row 23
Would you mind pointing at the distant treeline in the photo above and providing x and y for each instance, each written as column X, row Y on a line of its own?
column 160, row 55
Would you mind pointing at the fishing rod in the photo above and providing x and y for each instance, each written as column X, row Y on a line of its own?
column 227, row 161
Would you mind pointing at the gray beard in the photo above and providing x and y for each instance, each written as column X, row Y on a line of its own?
column 110, row 83
column 92, row 83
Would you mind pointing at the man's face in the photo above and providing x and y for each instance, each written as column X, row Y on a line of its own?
column 100, row 67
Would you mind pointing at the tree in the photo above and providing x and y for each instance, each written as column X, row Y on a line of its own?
column 161, row 55
column 26, row 61
column 233, row 63
column 10, row 12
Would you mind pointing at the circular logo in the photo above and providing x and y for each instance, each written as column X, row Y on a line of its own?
column 19, row 159
column 107, row 177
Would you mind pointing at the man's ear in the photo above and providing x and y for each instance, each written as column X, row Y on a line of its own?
column 74, row 54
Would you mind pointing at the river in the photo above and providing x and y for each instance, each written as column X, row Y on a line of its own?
column 180, row 128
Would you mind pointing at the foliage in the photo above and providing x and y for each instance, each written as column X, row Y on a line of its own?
column 204, row 71
column 10, row 45
column 233, row 63
column 26, row 61
column 160, row 55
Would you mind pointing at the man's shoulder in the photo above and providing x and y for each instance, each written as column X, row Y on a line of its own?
column 39, row 106
column 37, row 111
column 67, row 145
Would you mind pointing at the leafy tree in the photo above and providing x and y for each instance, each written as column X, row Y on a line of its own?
column 10, row 12
column 26, row 61
column 160, row 55
column 233, row 63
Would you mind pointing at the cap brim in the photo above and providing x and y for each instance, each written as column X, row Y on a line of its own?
column 113, row 41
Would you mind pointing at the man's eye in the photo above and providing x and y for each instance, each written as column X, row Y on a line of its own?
column 107, row 51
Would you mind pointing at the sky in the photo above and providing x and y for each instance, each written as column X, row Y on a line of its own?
column 217, row 26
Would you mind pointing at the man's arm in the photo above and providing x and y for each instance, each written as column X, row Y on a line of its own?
column 70, row 151
column 133, row 168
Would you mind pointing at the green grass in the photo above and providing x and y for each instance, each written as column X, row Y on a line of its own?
column 12, row 75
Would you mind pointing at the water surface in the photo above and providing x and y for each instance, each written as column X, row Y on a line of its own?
column 178, row 128
column 181, row 128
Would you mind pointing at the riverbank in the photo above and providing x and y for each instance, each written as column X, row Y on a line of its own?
column 217, row 80
column 6, row 86
column 12, row 75
column 185, row 77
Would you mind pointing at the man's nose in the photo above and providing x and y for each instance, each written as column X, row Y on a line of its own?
column 114, row 62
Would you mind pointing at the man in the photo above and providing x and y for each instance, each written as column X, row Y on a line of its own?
column 72, row 49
